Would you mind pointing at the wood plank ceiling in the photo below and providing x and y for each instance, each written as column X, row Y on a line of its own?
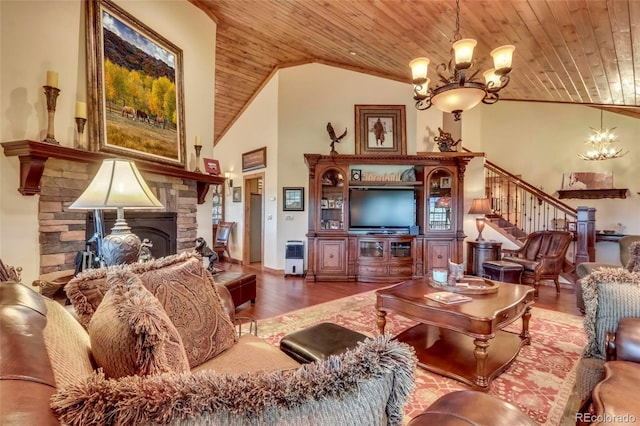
column 572, row 51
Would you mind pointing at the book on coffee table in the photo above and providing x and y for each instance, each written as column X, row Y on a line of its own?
column 448, row 298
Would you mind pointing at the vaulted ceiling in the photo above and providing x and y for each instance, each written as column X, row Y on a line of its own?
column 572, row 51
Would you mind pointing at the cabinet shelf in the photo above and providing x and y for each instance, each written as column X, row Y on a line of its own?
column 357, row 183
column 590, row 194
column 33, row 156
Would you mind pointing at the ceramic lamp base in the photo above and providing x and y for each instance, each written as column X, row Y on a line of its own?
column 121, row 246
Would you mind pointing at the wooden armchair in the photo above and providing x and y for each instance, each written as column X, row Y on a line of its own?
column 542, row 256
column 220, row 245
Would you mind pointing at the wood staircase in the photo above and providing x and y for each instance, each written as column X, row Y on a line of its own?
column 520, row 208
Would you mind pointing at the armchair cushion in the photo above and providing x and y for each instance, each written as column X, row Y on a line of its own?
column 610, row 294
column 131, row 333
column 634, row 257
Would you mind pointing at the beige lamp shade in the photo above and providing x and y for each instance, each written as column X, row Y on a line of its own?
column 480, row 206
column 118, row 185
column 453, row 98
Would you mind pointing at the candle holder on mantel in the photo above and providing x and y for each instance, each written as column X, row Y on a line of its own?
column 198, row 148
column 80, row 122
column 52, row 96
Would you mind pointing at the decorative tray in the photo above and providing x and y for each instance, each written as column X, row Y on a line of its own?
column 468, row 285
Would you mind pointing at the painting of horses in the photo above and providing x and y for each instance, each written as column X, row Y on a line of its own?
column 138, row 98
column 380, row 130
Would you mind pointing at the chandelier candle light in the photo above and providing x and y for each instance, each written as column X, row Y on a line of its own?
column 458, row 91
column 600, row 143
column 482, row 207
column 118, row 185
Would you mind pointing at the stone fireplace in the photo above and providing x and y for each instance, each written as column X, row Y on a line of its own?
column 160, row 228
column 64, row 232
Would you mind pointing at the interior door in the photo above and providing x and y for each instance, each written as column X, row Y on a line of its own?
column 255, row 239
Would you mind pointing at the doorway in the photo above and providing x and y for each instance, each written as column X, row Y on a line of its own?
column 253, row 220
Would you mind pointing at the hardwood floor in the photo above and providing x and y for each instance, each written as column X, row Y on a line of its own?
column 277, row 295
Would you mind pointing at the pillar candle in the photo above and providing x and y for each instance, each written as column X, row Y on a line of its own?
column 52, row 78
column 197, row 141
column 81, row 110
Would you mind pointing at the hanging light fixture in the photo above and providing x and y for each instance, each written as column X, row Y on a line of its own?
column 600, row 142
column 458, row 91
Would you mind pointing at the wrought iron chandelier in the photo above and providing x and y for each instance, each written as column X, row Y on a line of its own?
column 458, row 91
column 600, row 141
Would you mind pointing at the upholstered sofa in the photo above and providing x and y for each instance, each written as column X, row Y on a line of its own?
column 52, row 369
column 610, row 294
column 542, row 256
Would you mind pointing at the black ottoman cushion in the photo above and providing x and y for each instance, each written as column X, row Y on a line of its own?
column 319, row 342
column 504, row 271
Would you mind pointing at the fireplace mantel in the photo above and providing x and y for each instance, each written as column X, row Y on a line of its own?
column 33, row 155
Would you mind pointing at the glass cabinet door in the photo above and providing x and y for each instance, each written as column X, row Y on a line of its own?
column 400, row 249
column 439, row 215
column 332, row 200
column 371, row 249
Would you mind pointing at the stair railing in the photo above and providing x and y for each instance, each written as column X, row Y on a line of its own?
column 522, row 208
column 525, row 207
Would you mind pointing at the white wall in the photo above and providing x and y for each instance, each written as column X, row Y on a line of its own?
column 538, row 141
column 37, row 36
column 256, row 128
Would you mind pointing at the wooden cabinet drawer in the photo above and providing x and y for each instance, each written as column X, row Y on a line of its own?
column 364, row 269
column 401, row 271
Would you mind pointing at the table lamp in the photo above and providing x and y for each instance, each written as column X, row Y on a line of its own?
column 482, row 207
column 118, row 185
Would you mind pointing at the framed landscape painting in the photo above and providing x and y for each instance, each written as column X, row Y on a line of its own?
column 380, row 130
column 136, row 91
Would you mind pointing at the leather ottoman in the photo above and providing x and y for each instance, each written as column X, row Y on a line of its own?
column 469, row 407
column 242, row 286
column 319, row 342
column 502, row 270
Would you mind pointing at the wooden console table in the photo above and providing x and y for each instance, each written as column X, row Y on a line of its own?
column 33, row 156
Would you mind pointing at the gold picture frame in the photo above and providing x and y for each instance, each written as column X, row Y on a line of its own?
column 380, row 130
column 145, row 123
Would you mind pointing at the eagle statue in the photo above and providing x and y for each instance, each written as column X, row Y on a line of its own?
column 334, row 138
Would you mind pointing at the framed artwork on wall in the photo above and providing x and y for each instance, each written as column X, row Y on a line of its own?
column 293, row 199
column 255, row 159
column 236, row 194
column 137, row 95
column 380, row 130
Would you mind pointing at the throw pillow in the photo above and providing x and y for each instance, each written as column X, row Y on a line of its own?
column 634, row 257
column 131, row 333
column 186, row 291
column 86, row 291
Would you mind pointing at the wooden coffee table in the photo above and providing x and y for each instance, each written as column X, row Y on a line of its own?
column 454, row 340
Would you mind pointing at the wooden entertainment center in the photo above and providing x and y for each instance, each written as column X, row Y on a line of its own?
column 341, row 244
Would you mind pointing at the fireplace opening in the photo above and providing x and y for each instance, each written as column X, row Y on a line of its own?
column 160, row 228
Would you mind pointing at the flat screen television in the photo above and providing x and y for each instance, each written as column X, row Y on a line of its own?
column 381, row 208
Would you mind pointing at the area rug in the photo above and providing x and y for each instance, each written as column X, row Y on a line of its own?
column 539, row 382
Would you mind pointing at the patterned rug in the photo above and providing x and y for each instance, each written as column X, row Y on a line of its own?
column 539, row 381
